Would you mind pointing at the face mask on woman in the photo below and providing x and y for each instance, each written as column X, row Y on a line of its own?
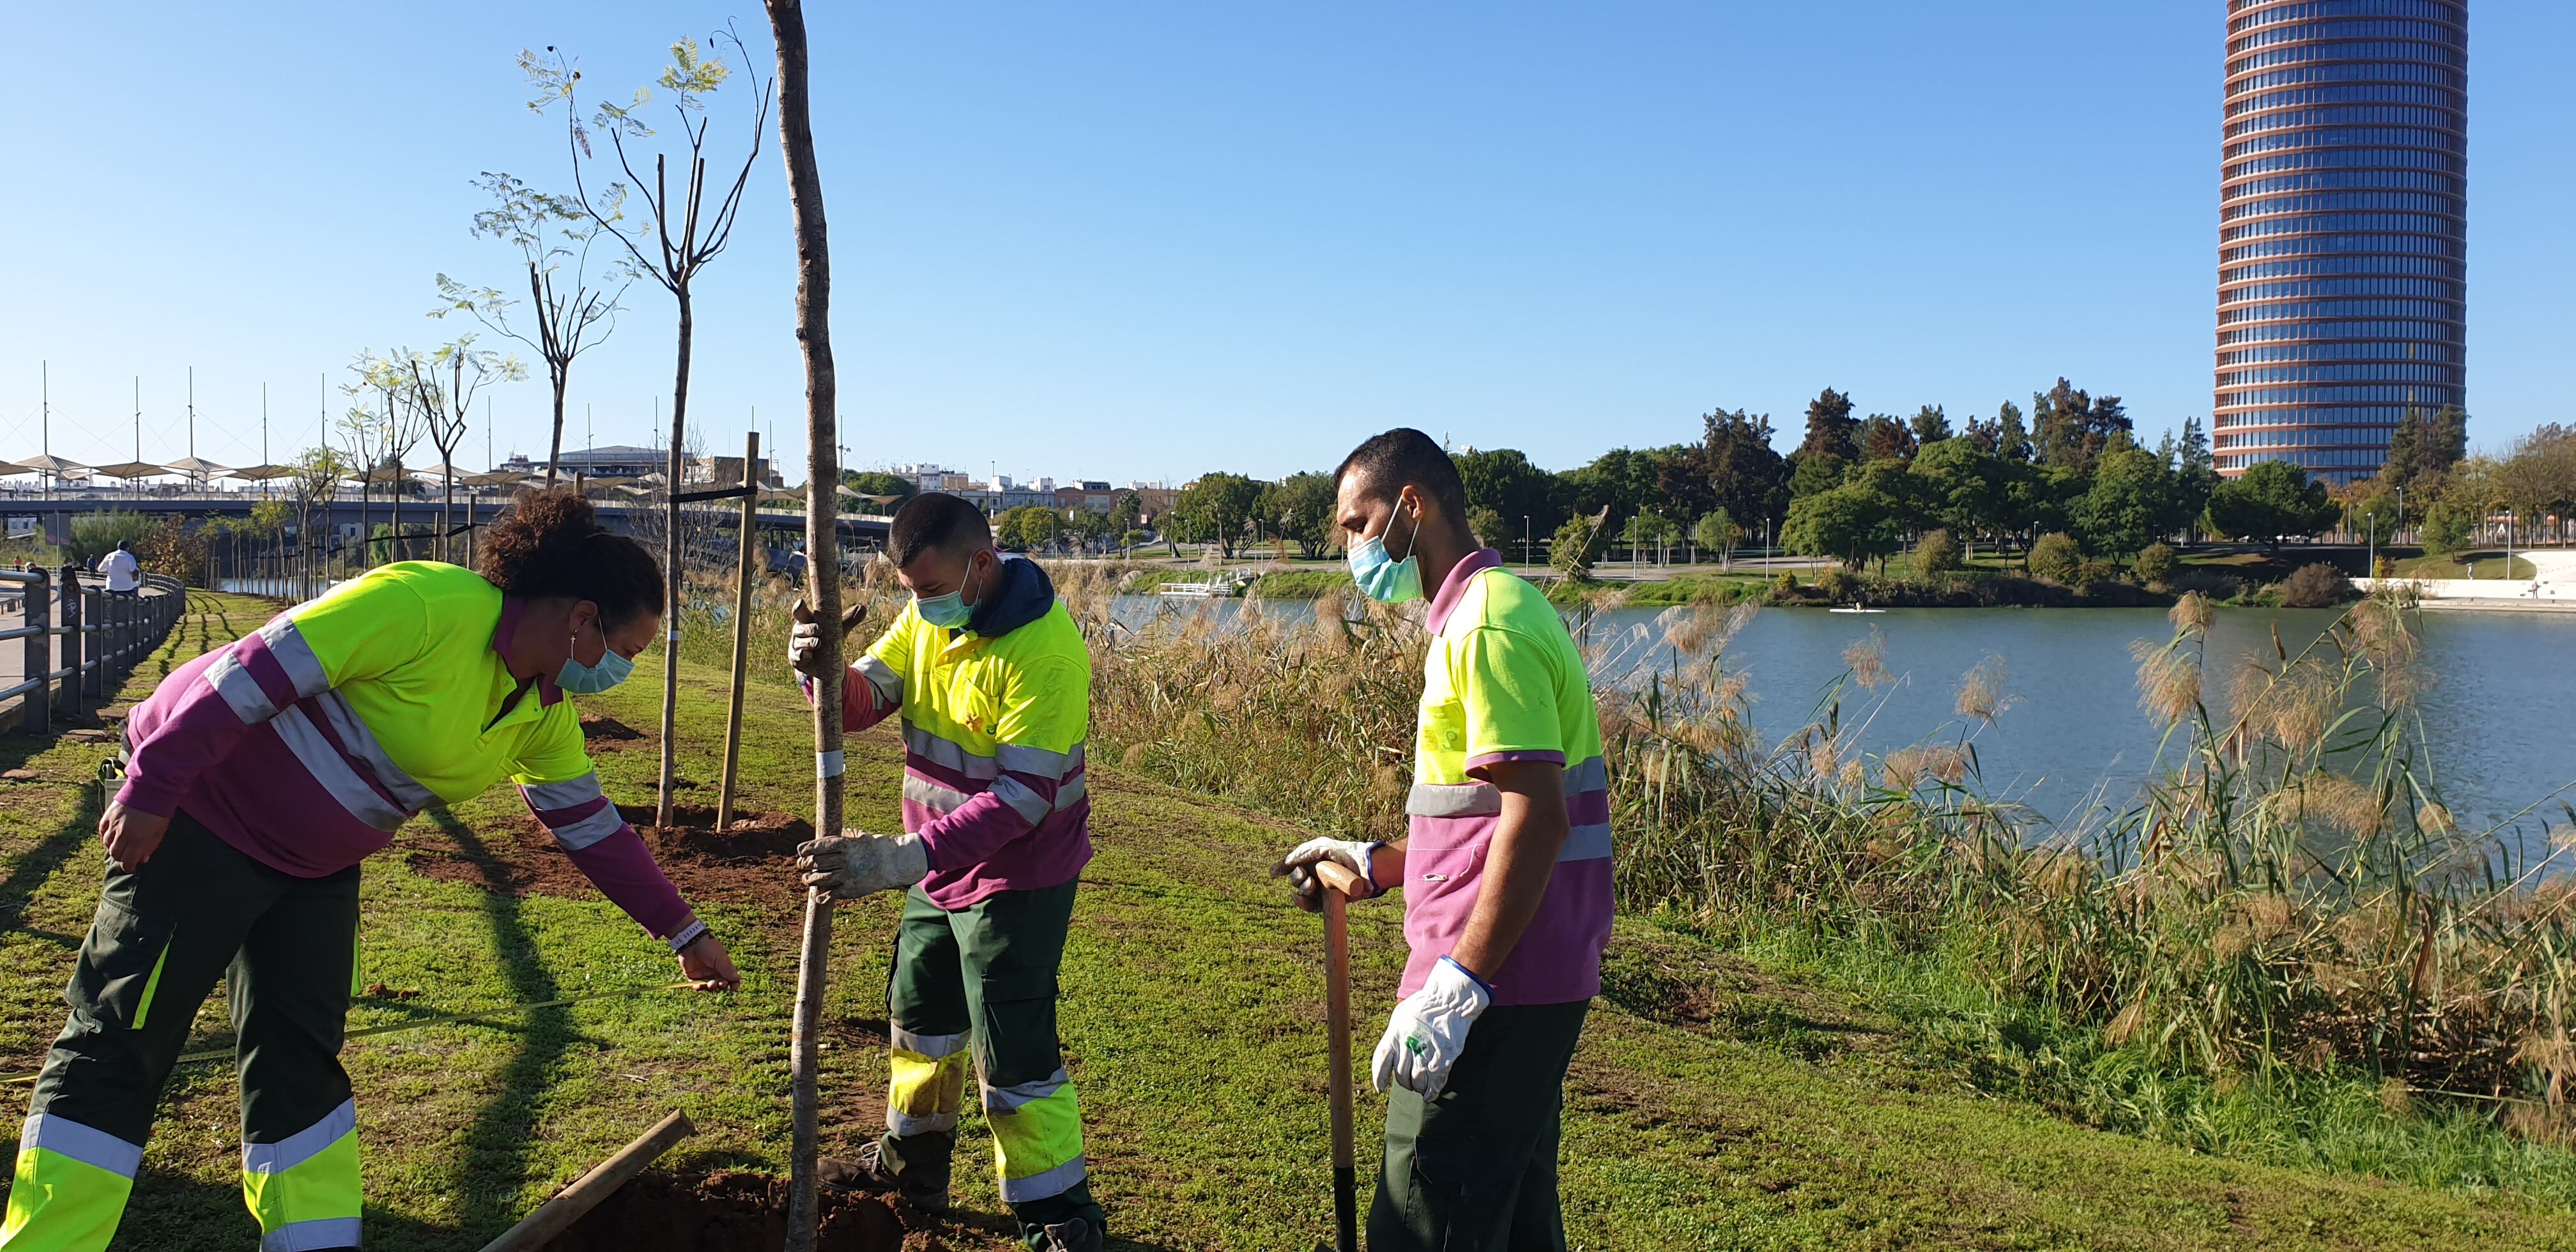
column 1383, row 578
column 590, row 680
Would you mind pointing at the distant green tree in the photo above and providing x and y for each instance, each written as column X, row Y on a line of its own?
column 2056, row 557
column 1216, row 509
column 1936, row 553
column 2196, row 475
column 2448, row 529
column 1930, row 425
column 1747, row 479
column 1572, row 549
column 1831, row 428
column 2072, row 428
column 94, row 535
column 2446, row 442
column 1814, row 473
column 2125, row 507
column 1486, row 524
column 1300, row 509
column 1126, row 513
column 880, row 483
column 1646, row 534
column 2405, row 444
column 1718, row 532
column 1884, row 438
column 1502, row 479
column 1964, row 486
column 2155, row 564
column 1850, row 524
column 2271, row 501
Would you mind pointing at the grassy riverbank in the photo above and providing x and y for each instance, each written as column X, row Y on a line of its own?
column 1769, row 1068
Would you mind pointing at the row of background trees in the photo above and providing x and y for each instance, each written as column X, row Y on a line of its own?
column 1855, row 488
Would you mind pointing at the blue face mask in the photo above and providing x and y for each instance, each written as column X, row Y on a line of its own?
column 590, row 680
column 947, row 612
column 1383, row 578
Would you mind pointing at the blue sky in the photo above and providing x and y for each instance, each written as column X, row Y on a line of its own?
column 1148, row 240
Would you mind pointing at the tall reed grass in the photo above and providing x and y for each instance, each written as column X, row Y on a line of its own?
column 2285, row 944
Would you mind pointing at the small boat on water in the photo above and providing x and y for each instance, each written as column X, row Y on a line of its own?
column 1854, row 608
column 1201, row 590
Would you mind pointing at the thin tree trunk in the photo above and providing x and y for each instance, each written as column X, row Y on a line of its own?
column 446, row 508
column 554, row 450
column 822, row 584
column 671, row 569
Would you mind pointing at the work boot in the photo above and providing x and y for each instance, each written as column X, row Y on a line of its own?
column 871, row 1171
column 1078, row 1235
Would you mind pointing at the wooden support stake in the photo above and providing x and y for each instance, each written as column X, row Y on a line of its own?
column 741, row 627
column 568, row 1205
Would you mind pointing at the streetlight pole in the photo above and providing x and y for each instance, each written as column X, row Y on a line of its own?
column 1525, row 543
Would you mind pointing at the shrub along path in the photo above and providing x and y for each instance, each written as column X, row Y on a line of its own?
column 1713, row 1105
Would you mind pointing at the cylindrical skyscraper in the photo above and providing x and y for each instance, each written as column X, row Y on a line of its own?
column 2343, row 229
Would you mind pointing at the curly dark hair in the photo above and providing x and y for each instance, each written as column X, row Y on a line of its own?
column 550, row 543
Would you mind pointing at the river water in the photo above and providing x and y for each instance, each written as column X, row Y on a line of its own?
column 2075, row 737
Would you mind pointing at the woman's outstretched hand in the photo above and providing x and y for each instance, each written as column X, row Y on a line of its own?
column 706, row 964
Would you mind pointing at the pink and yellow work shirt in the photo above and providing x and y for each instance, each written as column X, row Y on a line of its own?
column 1503, row 681
column 307, row 743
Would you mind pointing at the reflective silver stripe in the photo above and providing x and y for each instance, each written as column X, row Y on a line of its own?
column 903, row 1123
column 1009, row 1099
column 232, row 680
column 303, row 1145
column 304, row 669
column 1031, row 806
column 562, row 795
column 941, row 752
column 882, row 680
column 928, row 1047
column 334, row 772
column 1591, row 775
column 1586, row 843
column 362, row 743
column 87, row 1145
column 1072, row 792
column 321, row 1232
column 1475, row 799
column 1039, row 1186
column 589, row 830
column 1036, row 761
column 937, row 798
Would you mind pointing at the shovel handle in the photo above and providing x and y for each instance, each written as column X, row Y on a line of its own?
column 1341, row 887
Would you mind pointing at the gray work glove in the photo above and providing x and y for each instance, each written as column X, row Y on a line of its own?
column 805, row 638
column 856, row 865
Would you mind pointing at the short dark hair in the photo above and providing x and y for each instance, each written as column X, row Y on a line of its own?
column 935, row 520
column 1385, row 463
column 550, row 543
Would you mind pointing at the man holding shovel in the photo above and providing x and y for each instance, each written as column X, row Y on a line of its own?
column 1505, row 868
column 993, row 684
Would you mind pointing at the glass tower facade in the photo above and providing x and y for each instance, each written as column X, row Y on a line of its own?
column 2343, row 223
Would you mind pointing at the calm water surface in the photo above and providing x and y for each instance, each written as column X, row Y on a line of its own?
column 2075, row 738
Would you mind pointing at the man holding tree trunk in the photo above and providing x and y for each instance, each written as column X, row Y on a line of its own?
column 993, row 684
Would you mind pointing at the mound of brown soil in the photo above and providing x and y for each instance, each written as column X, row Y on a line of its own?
column 605, row 733
column 752, row 861
column 725, row 1211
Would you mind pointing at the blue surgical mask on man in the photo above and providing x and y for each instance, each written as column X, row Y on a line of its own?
column 590, row 680
column 949, row 611
column 1383, row 578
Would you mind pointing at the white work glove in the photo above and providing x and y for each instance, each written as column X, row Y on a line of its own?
column 857, row 865
column 805, row 638
column 1428, row 1031
column 1351, row 854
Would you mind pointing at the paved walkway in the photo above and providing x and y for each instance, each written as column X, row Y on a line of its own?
column 2552, row 586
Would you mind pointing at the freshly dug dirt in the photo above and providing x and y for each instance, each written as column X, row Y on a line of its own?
column 725, row 1211
column 752, row 862
column 607, row 733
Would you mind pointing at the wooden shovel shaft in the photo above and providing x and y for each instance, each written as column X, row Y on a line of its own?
column 1340, row 884
column 568, row 1205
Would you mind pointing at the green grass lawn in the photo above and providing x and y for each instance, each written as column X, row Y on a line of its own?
column 2465, row 565
column 1717, row 1102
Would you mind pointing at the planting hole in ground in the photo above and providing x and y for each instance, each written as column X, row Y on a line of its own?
column 724, row 1211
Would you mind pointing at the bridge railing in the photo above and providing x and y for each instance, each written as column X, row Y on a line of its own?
column 102, row 635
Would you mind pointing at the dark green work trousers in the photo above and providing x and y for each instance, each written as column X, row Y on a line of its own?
column 1475, row 1170
column 198, row 910
column 975, row 988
